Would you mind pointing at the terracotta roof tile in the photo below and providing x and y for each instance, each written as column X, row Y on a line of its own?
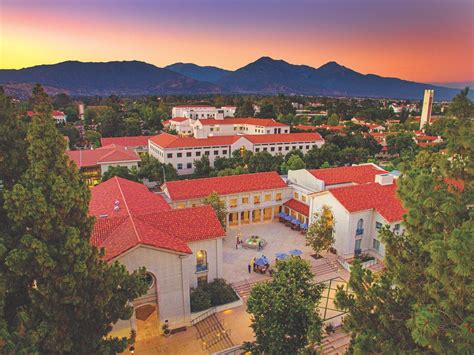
column 298, row 206
column 130, row 141
column 223, row 185
column 108, row 153
column 382, row 198
column 358, row 174
column 284, row 137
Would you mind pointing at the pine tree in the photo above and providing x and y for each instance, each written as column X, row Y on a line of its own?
column 73, row 297
column 426, row 289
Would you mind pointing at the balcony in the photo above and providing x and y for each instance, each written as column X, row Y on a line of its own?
column 202, row 267
column 359, row 231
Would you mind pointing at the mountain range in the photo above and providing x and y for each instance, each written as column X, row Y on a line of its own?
column 265, row 76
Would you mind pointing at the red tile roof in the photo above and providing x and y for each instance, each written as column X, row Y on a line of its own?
column 236, row 121
column 284, row 137
column 331, row 128
column 108, row 154
column 178, row 119
column 382, row 198
column 298, row 206
column 54, row 113
column 306, row 127
column 145, row 219
column 223, row 185
column 130, row 141
column 358, row 174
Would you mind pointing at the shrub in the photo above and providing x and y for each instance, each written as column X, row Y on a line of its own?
column 200, row 300
column 220, row 292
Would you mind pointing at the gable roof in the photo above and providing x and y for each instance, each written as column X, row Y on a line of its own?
column 265, row 122
column 107, row 154
column 382, row 198
column 298, row 206
column 358, row 174
column 144, row 218
column 130, row 141
column 166, row 140
column 284, row 137
column 223, row 185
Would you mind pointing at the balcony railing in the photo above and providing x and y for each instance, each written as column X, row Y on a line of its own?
column 201, row 267
column 359, row 231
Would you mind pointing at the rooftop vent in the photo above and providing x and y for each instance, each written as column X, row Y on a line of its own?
column 103, row 216
column 384, row 179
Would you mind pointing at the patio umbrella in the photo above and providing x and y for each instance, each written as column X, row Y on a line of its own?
column 288, row 218
column 295, row 221
column 261, row 261
column 304, row 226
column 295, row 252
column 282, row 215
column 280, row 256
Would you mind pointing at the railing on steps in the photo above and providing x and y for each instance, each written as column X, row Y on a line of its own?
column 224, row 334
column 203, row 316
column 219, row 326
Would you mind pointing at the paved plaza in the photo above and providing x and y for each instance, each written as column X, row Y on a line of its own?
column 279, row 239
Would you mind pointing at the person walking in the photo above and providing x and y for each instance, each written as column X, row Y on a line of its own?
column 253, row 264
column 250, row 269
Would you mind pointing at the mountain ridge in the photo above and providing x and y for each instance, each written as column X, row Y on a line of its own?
column 264, row 76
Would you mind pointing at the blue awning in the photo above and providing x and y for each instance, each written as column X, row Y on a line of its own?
column 288, row 218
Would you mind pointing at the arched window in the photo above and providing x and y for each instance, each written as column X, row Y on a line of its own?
column 201, row 261
column 149, row 280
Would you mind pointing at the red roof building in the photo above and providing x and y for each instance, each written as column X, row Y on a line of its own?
column 223, row 185
column 130, row 142
column 128, row 215
column 356, row 174
column 111, row 153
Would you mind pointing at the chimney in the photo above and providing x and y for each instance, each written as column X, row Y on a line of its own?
column 384, row 179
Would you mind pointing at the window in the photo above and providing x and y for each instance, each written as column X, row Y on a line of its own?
column 256, row 199
column 257, row 150
column 212, row 129
column 301, row 147
column 360, row 227
column 189, row 165
column 287, row 148
column 169, row 155
column 396, row 228
column 307, row 147
column 272, row 149
column 303, row 198
column 224, row 151
column 216, row 152
column 245, row 199
column 357, row 247
column 296, row 195
column 188, row 154
column 201, row 261
column 149, row 280
column 265, row 149
column 378, row 225
column 278, row 196
column 267, row 197
column 376, row 244
column 233, row 202
column 180, row 166
column 279, row 149
column 198, row 154
column 207, row 152
column 181, row 205
column 179, row 155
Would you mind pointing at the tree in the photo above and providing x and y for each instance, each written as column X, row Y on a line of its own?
column 71, row 132
column 294, row 163
column 110, row 123
column 202, row 167
column 267, row 111
column 245, row 110
column 283, row 310
column 132, row 125
column 93, row 138
column 264, row 161
column 219, row 207
column 120, row 171
column 426, row 289
column 461, row 107
column 401, row 143
column 153, row 170
column 320, row 233
column 333, row 120
column 69, row 296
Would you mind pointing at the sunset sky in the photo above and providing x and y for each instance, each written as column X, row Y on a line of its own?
column 421, row 40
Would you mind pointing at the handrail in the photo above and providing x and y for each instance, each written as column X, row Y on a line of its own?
column 217, row 326
column 203, row 316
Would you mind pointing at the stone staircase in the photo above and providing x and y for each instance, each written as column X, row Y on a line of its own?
column 325, row 267
column 213, row 335
column 336, row 343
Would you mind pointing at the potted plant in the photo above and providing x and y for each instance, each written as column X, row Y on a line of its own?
column 330, row 329
column 166, row 329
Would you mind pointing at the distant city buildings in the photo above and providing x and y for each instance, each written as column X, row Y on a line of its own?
column 195, row 112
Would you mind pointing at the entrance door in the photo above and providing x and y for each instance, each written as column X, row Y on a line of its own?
column 147, row 322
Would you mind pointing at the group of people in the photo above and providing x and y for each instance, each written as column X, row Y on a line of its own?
column 258, row 268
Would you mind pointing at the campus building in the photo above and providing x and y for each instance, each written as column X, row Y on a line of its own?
column 93, row 163
column 202, row 111
column 180, row 248
column 137, row 143
column 181, row 152
column 249, row 198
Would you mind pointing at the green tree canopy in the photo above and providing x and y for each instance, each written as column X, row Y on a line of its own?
column 121, row 171
column 264, row 161
column 283, row 310
column 219, row 207
column 333, row 120
column 59, row 294
column 294, row 162
column 320, row 233
column 153, row 170
column 202, row 167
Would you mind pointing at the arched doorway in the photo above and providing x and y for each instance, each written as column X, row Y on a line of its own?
column 147, row 322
